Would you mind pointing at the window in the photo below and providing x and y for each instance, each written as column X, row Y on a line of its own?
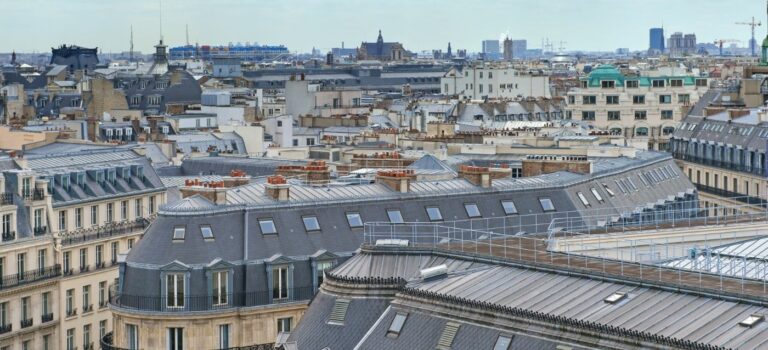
column 321, row 267
column 114, row 247
column 62, row 220
column 589, row 100
column 502, row 342
column 615, row 297
column 676, row 83
column 596, row 194
column 86, row 299
column 667, row 130
column 434, row 214
column 41, row 254
column 546, row 204
column 684, row 98
column 638, row 99
column 94, row 215
column 179, row 233
column 83, row 259
column 509, row 207
column 608, row 84
column 67, row 263
column 472, row 210
column 71, row 339
column 174, row 284
column 130, row 243
column 4, row 314
column 310, row 223
column 219, row 284
column 583, row 199
column 267, row 226
column 102, row 293
column 70, row 302
column 151, row 205
column 284, row 324
column 124, row 210
column 224, row 336
column 25, row 308
column 643, row 131
column 394, row 216
column 641, row 115
column 588, row 115
column 665, row 99
column 354, row 220
column 102, row 328
column 110, row 212
column 46, row 307
column 612, row 100
column 206, row 232
column 397, row 324
column 633, row 84
column 78, row 218
column 21, row 265
column 667, row 114
column 86, row 336
column 132, row 333
column 175, row 338
column 280, row 282
column 26, row 187
column 614, row 115
column 657, row 83
column 38, row 220
column 137, row 208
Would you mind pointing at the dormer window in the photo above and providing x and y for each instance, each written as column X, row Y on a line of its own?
column 174, row 284
column 179, row 233
column 608, row 84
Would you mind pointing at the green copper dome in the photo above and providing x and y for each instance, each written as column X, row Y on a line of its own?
column 605, row 72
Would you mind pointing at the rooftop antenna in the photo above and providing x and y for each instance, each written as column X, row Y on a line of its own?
column 161, row 20
column 130, row 53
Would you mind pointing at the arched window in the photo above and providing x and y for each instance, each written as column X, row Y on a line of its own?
column 643, row 131
column 615, row 131
column 668, row 130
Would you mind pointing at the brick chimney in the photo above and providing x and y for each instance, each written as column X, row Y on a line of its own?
column 278, row 188
column 213, row 191
column 396, row 180
column 236, row 178
column 93, row 128
column 316, row 172
column 537, row 165
column 737, row 112
column 478, row 176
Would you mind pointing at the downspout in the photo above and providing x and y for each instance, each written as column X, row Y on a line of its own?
column 245, row 234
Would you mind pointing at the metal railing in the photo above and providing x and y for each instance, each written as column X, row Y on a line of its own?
column 6, row 198
column 535, row 251
column 46, row 317
column 9, row 236
column 104, row 231
column 207, row 302
column 6, row 328
column 26, row 323
column 30, row 276
column 751, row 200
column 40, row 230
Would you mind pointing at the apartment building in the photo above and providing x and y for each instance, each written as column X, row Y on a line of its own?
column 642, row 109
column 66, row 219
column 485, row 80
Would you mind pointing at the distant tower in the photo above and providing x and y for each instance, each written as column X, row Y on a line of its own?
column 13, row 57
column 657, row 40
column 130, row 52
column 161, row 55
column 450, row 53
column 380, row 45
column 507, row 49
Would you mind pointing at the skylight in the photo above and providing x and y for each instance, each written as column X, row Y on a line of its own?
column 509, row 207
column 752, row 320
column 607, row 189
column 394, row 216
column 267, row 226
column 434, row 214
column 472, row 210
column 206, row 232
column 615, row 297
column 546, row 204
column 397, row 324
column 339, row 312
column 583, row 199
column 596, row 194
column 502, row 342
column 310, row 223
column 354, row 220
column 178, row 233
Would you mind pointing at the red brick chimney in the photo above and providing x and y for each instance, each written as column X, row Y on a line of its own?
column 215, row 192
column 236, row 178
column 396, row 180
column 537, row 165
column 278, row 188
column 316, row 172
column 478, row 176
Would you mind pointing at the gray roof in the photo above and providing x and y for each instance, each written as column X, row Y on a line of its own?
column 748, row 259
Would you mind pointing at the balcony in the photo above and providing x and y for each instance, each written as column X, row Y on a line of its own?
column 46, row 317
column 6, row 328
column 68, row 272
column 6, row 198
column 38, row 194
column 755, row 170
column 733, row 195
column 100, row 264
column 30, row 276
column 9, row 236
column 85, row 268
column 206, row 302
column 72, row 312
column 40, row 230
column 105, row 231
column 106, row 343
column 103, row 304
column 26, row 323
column 87, row 308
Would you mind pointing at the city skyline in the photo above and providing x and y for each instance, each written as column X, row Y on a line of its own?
column 253, row 21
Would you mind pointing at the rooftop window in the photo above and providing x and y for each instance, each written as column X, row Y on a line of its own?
column 607, row 189
column 632, row 83
column 509, row 207
column 472, row 210
column 354, row 220
column 502, row 342
column 178, row 233
column 310, row 223
column 339, row 312
column 267, row 226
column 752, row 320
column 397, row 324
column 615, row 297
column 596, row 194
column 206, row 232
column 434, row 214
column 546, row 204
column 394, row 216
column 583, row 199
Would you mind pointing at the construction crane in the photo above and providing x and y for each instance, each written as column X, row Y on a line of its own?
column 720, row 43
column 752, row 42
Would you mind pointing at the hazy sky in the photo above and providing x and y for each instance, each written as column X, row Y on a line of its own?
column 28, row 25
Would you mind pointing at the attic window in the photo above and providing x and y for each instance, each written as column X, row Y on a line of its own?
column 583, row 199
column 546, row 204
column 596, row 194
column 394, row 216
column 449, row 333
column 310, row 223
column 339, row 312
column 752, row 320
column 509, row 207
column 267, row 226
column 178, row 233
column 354, row 220
column 206, row 232
column 610, row 192
column 615, row 297
column 434, row 214
column 472, row 210
column 502, row 342
column 397, row 324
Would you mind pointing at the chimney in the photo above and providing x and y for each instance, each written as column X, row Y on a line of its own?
column 236, row 178
column 278, row 188
column 93, row 128
column 213, row 191
column 478, row 176
column 316, row 172
column 739, row 112
column 543, row 164
column 762, row 114
column 712, row 111
column 396, row 180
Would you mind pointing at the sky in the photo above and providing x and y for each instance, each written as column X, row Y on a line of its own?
column 589, row 25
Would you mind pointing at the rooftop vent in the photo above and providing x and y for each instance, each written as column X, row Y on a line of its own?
column 339, row 312
column 616, row 297
column 434, row 272
column 392, row 242
column 449, row 333
column 752, row 320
